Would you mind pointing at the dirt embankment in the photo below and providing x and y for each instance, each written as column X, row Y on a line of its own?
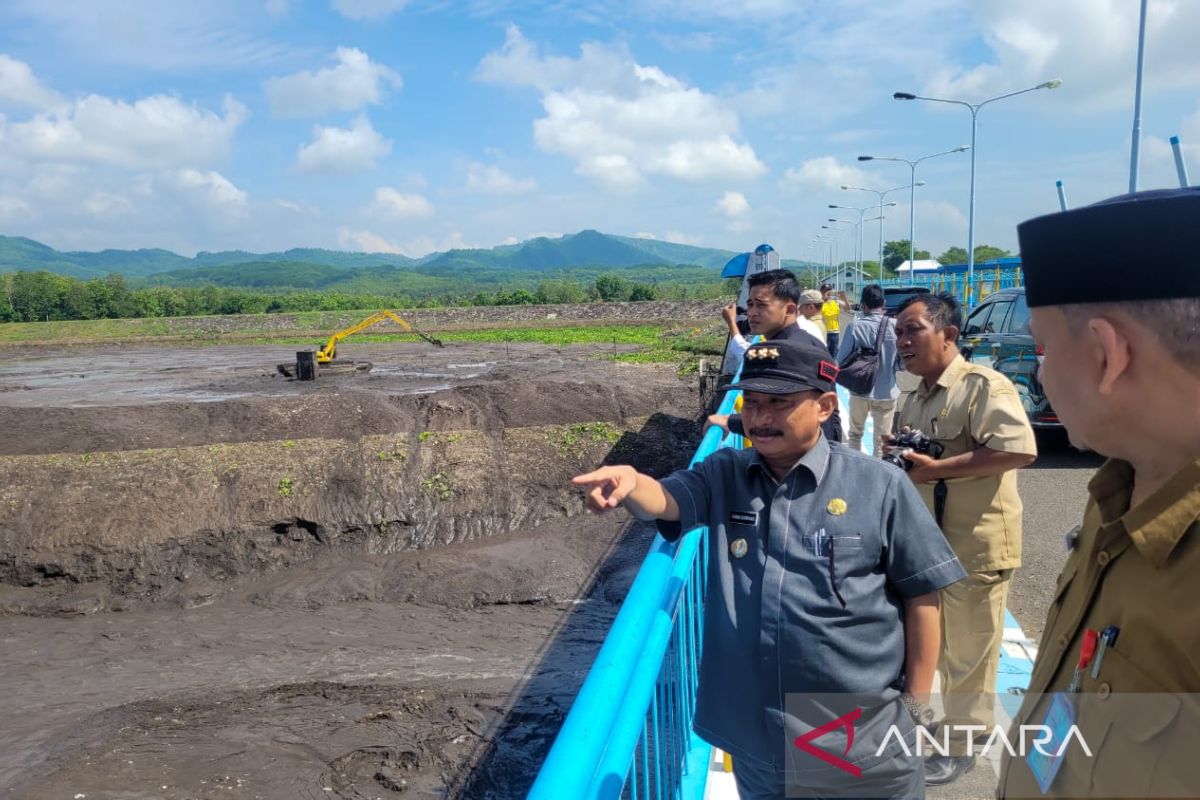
column 357, row 588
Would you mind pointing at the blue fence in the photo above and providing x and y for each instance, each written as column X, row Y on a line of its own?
column 990, row 276
column 628, row 734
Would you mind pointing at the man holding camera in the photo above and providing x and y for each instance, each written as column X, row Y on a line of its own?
column 976, row 416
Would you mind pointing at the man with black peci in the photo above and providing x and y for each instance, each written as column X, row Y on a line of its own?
column 823, row 579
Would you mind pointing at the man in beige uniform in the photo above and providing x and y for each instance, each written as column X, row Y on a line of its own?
column 1122, row 371
column 976, row 415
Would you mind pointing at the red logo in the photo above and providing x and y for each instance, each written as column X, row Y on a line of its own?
column 845, row 721
column 828, row 370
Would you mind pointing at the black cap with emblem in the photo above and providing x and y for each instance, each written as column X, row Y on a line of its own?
column 1140, row 246
column 786, row 367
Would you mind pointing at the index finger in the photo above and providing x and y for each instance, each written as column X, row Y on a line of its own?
column 602, row 474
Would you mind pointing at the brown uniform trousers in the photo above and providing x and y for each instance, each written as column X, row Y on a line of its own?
column 1139, row 570
column 972, row 406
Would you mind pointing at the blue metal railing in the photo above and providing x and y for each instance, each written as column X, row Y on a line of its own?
column 989, row 277
column 628, row 733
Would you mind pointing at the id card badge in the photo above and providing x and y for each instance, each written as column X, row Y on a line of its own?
column 1043, row 761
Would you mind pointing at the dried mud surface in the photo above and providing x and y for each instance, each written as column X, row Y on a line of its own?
column 215, row 582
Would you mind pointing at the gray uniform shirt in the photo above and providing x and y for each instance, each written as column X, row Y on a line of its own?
column 861, row 336
column 773, row 622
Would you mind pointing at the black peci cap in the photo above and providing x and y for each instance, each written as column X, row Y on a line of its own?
column 1140, row 246
column 787, row 367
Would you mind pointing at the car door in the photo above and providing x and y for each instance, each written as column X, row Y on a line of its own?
column 1017, row 359
column 979, row 338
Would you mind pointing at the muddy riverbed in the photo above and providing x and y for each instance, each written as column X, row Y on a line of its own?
column 215, row 582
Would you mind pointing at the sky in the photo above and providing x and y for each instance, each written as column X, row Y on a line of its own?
column 412, row 126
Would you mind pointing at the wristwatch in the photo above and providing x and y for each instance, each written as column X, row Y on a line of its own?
column 921, row 713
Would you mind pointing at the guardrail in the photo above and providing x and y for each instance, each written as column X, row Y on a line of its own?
column 987, row 280
column 628, row 733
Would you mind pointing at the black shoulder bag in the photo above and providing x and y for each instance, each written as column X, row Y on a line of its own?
column 859, row 372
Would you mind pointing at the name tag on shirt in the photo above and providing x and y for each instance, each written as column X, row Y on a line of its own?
column 1045, row 762
column 743, row 517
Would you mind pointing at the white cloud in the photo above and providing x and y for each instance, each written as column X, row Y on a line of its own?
column 355, row 82
column 733, row 205
column 154, row 132
column 1090, row 44
column 825, row 172
column 510, row 240
column 370, row 242
column 490, row 179
column 107, row 204
column 342, row 149
column 619, row 120
column 19, row 86
column 297, row 208
column 12, row 207
column 369, row 9
column 151, row 35
column 397, row 205
column 212, row 188
column 366, row 241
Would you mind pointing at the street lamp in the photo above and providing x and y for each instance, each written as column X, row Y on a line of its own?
column 860, row 211
column 974, row 108
column 912, row 196
column 857, row 266
column 881, row 193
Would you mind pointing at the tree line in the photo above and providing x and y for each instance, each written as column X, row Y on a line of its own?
column 27, row 296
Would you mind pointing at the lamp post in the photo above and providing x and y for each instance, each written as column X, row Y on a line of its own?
column 881, row 193
column 974, row 109
column 912, row 196
column 857, row 266
column 836, row 262
column 860, row 211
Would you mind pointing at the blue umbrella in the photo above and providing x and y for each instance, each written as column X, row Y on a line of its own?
column 736, row 266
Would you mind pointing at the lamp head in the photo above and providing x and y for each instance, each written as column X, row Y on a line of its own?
column 831, row 205
column 889, row 205
column 844, row 186
column 962, row 148
column 866, row 158
column 1054, row 84
column 904, row 96
column 919, row 183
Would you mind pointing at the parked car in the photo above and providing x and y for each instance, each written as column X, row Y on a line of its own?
column 893, row 296
column 996, row 334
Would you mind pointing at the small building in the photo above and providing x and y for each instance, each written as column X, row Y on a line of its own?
column 921, row 265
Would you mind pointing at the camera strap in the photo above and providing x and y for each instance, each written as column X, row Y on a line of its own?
column 940, row 490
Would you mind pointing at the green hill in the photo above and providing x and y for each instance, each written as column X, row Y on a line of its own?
column 581, row 256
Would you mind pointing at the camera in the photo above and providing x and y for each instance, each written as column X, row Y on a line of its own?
column 916, row 441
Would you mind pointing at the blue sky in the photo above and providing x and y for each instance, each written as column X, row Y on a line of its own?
column 418, row 125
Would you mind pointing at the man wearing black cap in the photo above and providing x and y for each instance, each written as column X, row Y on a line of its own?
column 824, row 569
column 1114, row 296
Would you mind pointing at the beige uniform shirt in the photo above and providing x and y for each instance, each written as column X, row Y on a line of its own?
column 972, row 406
column 1138, row 569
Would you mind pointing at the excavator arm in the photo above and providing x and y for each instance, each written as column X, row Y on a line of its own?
column 328, row 352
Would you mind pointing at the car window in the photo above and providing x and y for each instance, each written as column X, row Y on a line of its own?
column 1018, row 320
column 977, row 320
column 995, row 322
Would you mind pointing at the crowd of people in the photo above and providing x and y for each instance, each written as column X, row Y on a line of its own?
column 841, row 582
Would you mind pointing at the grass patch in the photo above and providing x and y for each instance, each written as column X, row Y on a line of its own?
column 570, row 439
column 439, row 485
column 286, row 488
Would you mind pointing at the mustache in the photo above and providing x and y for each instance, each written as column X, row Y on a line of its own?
column 765, row 432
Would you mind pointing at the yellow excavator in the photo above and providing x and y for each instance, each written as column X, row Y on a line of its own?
column 329, row 352
column 305, row 368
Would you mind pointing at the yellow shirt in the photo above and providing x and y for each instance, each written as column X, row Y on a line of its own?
column 1139, row 570
column 831, row 312
column 972, row 406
